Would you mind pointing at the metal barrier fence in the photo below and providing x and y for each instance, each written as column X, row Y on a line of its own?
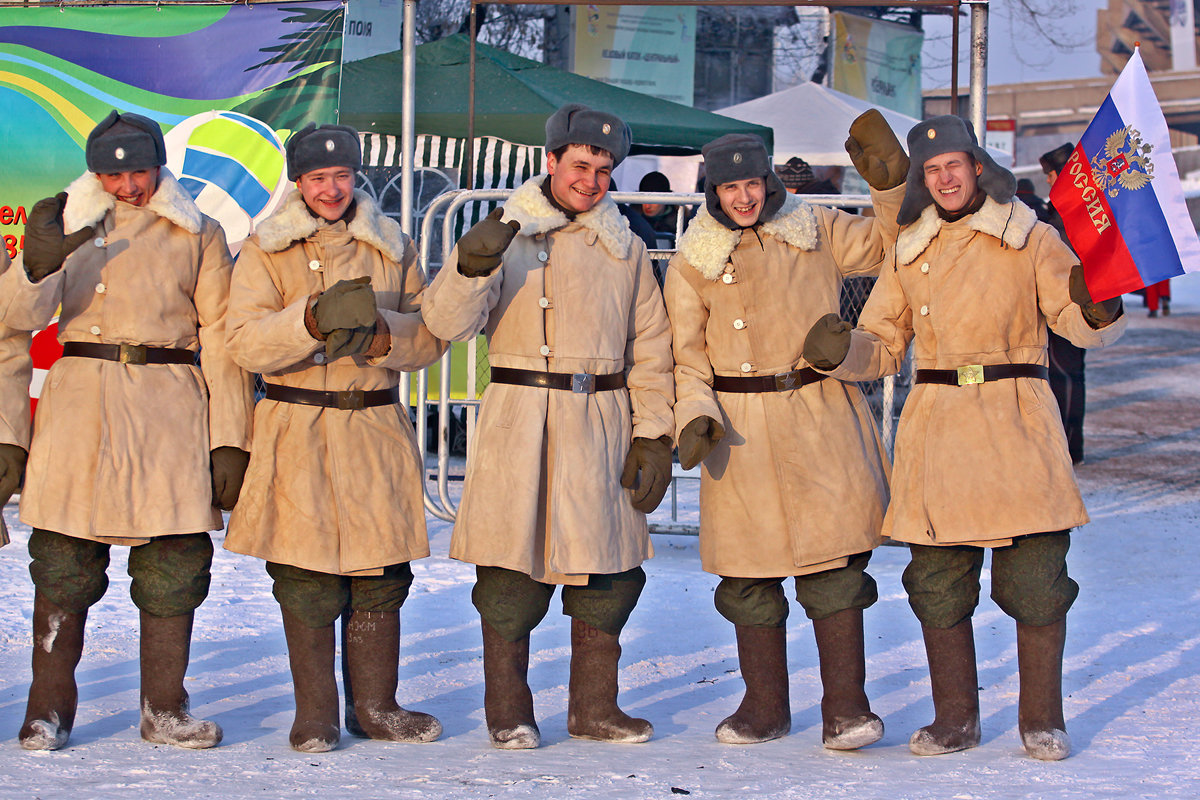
column 881, row 395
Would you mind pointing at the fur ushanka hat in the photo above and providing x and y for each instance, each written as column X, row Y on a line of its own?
column 316, row 147
column 739, row 157
column 948, row 134
column 575, row 123
column 124, row 143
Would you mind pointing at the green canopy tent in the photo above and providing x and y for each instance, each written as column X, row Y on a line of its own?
column 513, row 98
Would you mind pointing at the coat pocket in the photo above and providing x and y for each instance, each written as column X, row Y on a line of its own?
column 1027, row 394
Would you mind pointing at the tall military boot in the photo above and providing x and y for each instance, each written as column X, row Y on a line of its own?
column 1040, row 711
column 310, row 653
column 53, row 695
column 165, row 647
column 349, row 716
column 507, row 700
column 765, row 712
column 955, row 682
column 592, row 711
column 847, row 720
column 373, row 652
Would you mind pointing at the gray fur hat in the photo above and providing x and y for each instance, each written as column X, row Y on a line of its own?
column 125, row 143
column 319, row 146
column 575, row 123
column 948, row 134
column 739, row 157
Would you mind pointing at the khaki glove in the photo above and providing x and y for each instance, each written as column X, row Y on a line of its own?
column 348, row 342
column 876, row 152
column 647, row 471
column 1098, row 315
column 12, row 470
column 228, row 468
column 46, row 246
column 346, row 304
column 697, row 439
column 827, row 342
column 480, row 248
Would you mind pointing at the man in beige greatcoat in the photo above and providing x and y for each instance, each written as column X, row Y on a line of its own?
column 794, row 479
column 578, row 410
column 981, row 461
column 16, row 371
column 133, row 444
column 326, row 305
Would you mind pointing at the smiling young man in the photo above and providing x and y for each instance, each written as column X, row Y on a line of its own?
column 326, row 306
column 981, row 462
column 794, row 480
column 134, row 443
column 578, row 410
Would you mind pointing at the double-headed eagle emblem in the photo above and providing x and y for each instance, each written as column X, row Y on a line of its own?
column 1124, row 163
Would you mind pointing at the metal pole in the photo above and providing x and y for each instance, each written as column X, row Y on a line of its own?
column 469, row 151
column 408, row 106
column 979, row 48
column 954, row 62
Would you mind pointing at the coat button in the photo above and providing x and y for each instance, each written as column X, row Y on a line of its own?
column 544, row 349
column 747, row 366
column 543, row 256
column 544, row 302
column 727, row 278
column 739, row 324
column 95, row 330
column 319, row 358
column 925, row 268
column 99, row 242
column 314, row 265
column 101, row 288
column 924, row 311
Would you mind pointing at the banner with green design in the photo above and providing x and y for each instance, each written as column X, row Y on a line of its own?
column 222, row 80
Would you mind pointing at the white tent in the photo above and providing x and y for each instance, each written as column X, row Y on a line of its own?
column 811, row 121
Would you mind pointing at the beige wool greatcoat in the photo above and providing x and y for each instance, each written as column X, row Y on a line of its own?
column 543, row 494
column 120, row 452
column 976, row 464
column 330, row 490
column 16, row 371
column 799, row 481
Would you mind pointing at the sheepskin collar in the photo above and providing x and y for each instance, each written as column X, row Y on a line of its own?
column 291, row 222
column 528, row 206
column 707, row 244
column 1011, row 223
column 88, row 203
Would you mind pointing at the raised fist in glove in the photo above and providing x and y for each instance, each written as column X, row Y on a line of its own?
column 647, row 471
column 697, row 439
column 827, row 342
column 228, row 467
column 12, row 470
column 876, row 152
column 346, row 304
column 46, row 246
column 480, row 248
column 1098, row 315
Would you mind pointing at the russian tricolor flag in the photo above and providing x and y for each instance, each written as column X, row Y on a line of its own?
column 1119, row 194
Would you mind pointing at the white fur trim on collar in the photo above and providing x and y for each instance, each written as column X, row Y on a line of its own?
column 1011, row 223
column 528, row 206
column 707, row 244
column 88, row 203
column 292, row 222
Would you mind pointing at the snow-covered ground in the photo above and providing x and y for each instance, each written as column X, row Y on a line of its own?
column 1131, row 673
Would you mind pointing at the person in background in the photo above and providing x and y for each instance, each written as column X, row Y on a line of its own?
column 16, row 372
column 660, row 215
column 798, row 177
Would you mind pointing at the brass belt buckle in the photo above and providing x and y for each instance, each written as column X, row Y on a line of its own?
column 583, row 383
column 131, row 354
column 351, row 400
column 786, row 381
column 970, row 374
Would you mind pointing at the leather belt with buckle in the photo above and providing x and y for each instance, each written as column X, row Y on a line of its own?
column 129, row 353
column 349, row 400
column 579, row 382
column 783, row 382
column 972, row 374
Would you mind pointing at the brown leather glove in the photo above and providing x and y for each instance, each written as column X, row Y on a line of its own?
column 827, row 342
column 480, row 249
column 228, row 468
column 647, row 471
column 876, row 152
column 346, row 304
column 1098, row 315
column 697, row 439
column 46, row 246
column 12, row 470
